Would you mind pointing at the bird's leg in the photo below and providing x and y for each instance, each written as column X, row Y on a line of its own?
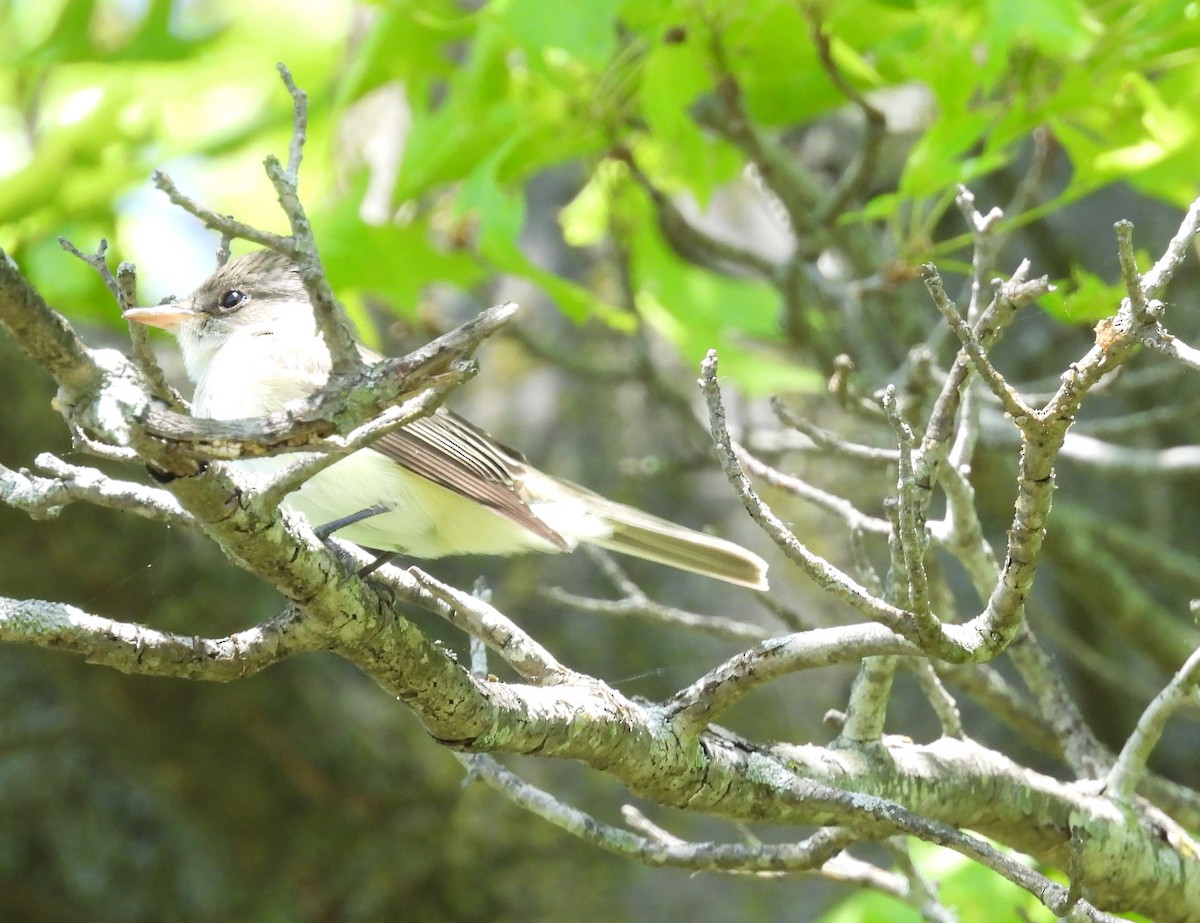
column 323, row 532
column 381, row 558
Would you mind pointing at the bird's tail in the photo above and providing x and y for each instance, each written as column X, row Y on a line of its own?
column 645, row 536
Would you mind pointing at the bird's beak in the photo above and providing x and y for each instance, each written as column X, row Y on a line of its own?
column 166, row 316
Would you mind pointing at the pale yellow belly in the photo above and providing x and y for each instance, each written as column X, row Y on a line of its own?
column 423, row 518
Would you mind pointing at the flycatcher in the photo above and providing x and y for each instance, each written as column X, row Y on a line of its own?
column 438, row 486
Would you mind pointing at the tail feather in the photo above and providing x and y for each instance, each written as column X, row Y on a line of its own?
column 644, row 536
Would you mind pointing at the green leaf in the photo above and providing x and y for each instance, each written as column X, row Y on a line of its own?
column 477, row 115
column 969, row 890
column 500, row 212
column 673, row 77
column 586, row 32
column 72, row 38
column 394, row 263
column 697, row 310
column 1082, row 299
column 422, row 29
column 1063, row 28
column 940, row 159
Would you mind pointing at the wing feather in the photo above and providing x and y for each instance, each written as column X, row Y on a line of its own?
column 461, row 457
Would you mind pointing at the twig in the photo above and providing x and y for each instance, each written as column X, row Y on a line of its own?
column 718, row 689
column 470, row 613
column 866, row 707
column 1133, row 421
column 651, row 611
column 1080, row 749
column 961, row 532
column 1026, row 191
column 45, row 497
column 945, row 417
column 1172, row 346
column 1130, row 765
column 482, row 620
column 123, row 288
column 222, row 223
column 636, row 604
column 615, row 574
column 689, row 241
column 334, row 448
column 99, row 263
column 224, row 252
column 638, row 821
column 656, row 850
column 849, row 870
column 830, row 442
column 986, row 242
column 1173, row 461
column 1009, row 399
column 817, row 568
column 922, row 892
column 299, row 122
column 863, row 566
column 989, row 688
column 910, row 535
column 137, row 649
column 286, row 180
column 938, row 696
column 1129, row 270
column 855, row 518
column 1155, row 279
column 790, row 617
column 857, row 177
column 984, row 250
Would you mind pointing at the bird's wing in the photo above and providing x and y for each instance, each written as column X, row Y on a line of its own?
column 461, row 457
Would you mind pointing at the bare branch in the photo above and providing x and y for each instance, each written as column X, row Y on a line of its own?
column 938, row 696
column 857, row 177
column 1009, row 399
column 334, row 448
column 123, row 288
column 703, row 700
column 690, row 242
column 651, row 611
column 657, row 850
column 818, row 569
column 831, row 442
column 134, row 648
column 225, row 224
column 910, row 537
column 482, row 620
column 1127, row 771
column 1129, row 270
column 299, row 122
column 44, row 334
column 866, row 708
column 855, row 519
column 849, row 870
column 45, row 497
column 1156, row 278
column 1172, row 346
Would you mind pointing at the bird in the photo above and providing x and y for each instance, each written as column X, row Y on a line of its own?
column 439, row 485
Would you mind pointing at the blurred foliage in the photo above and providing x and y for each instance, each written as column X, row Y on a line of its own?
column 975, row 894
column 94, row 95
column 435, row 126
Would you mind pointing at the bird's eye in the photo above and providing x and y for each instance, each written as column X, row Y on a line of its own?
column 231, row 299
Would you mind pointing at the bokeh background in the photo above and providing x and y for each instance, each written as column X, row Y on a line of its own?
column 461, row 154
